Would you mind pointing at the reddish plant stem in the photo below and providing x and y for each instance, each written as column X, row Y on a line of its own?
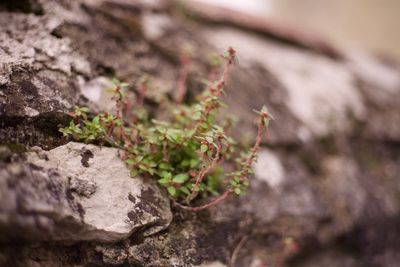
column 254, row 150
column 217, row 90
column 215, row 159
column 142, row 93
column 214, row 202
column 206, row 170
column 165, row 152
column 119, row 114
column 183, row 74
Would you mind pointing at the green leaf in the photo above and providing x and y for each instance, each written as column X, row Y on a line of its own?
column 180, row 178
column 171, row 190
column 134, row 173
column 266, row 121
column 115, row 81
column 164, row 181
column 185, row 163
column 96, row 119
column 151, row 171
column 209, row 139
column 166, row 175
column 203, row 148
column 185, row 190
column 129, row 161
column 204, row 125
column 164, row 166
column 193, row 163
column 143, row 167
column 196, row 116
column 124, row 84
column 238, row 191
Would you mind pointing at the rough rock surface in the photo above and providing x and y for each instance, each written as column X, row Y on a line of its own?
column 38, row 78
column 78, row 192
column 326, row 187
column 36, row 204
column 322, row 98
column 113, row 203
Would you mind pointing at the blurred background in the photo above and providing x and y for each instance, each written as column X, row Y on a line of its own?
column 373, row 25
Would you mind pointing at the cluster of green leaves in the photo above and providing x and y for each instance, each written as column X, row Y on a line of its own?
column 184, row 151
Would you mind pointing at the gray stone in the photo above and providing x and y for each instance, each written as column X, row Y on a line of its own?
column 321, row 93
column 36, row 67
column 269, row 169
column 36, row 204
column 114, row 204
column 379, row 82
column 60, row 197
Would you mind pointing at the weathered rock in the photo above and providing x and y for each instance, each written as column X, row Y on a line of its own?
column 112, row 201
column 38, row 83
column 36, row 67
column 78, row 192
column 213, row 264
column 329, row 180
column 320, row 91
column 35, row 204
column 379, row 83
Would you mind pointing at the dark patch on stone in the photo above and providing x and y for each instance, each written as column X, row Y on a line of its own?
column 149, row 202
column 24, row 6
column 86, row 155
column 81, row 210
column 28, row 88
column 54, row 187
column 76, row 206
column 35, row 167
column 42, row 130
column 133, row 217
column 132, row 198
column 17, row 148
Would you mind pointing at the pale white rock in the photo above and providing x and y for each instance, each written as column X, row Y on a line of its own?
column 321, row 91
column 254, row 7
column 376, row 73
column 31, row 112
column 379, row 83
column 269, row 169
column 114, row 204
column 213, row 264
column 96, row 91
column 155, row 25
column 256, row 262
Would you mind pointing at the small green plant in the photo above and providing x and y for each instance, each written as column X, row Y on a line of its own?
column 184, row 151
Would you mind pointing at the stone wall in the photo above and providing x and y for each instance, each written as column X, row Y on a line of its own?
column 326, row 189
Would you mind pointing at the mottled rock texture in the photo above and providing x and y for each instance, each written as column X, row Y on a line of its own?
column 76, row 193
column 113, row 205
column 326, row 188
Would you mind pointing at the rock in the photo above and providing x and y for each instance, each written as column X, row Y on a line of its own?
column 95, row 90
column 321, row 94
column 36, row 204
column 379, row 83
column 155, row 25
column 269, row 169
column 65, row 196
column 213, row 264
column 343, row 190
column 35, row 68
column 114, row 204
column 38, row 83
column 328, row 179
